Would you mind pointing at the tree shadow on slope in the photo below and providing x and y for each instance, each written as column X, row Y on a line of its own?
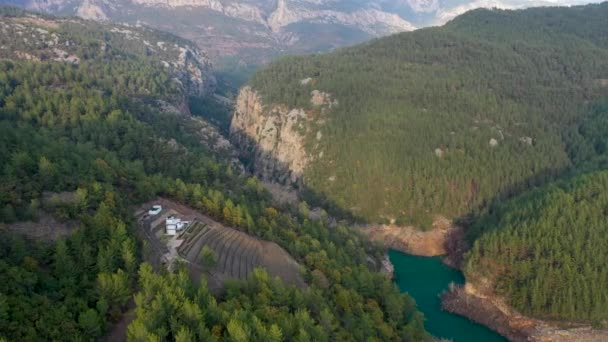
column 268, row 168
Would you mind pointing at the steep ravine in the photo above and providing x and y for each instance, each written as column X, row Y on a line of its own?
column 272, row 140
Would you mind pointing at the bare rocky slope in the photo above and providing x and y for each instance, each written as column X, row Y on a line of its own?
column 271, row 138
column 411, row 240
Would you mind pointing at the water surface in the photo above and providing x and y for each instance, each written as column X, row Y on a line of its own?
column 424, row 279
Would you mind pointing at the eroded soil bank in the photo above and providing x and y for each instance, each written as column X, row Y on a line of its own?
column 478, row 302
column 473, row 301
column 411, row 240
column 492, row 312
column 425, row 278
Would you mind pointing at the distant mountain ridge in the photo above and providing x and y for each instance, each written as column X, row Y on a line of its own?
column 253, row 31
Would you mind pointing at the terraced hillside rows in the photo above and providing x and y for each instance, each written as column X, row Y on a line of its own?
column 237, row 253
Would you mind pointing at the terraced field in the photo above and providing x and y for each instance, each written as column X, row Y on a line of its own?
column 236, row 253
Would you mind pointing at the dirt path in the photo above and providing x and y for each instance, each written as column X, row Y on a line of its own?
column 118, row 332
column 46, row 228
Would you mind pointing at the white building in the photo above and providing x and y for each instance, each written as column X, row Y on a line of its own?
column 175, row 225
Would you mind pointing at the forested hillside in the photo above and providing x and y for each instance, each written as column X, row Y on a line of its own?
column 95, row 128
column 443, row 121
column 546, row 250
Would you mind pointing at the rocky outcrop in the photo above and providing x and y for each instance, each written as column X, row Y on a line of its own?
column 190, row 67
column 239, row 10
column 485, row 308
column 412, row 240
column 92, row 11
column 194, row 70
column 45, row 39
column 375, row 17
column 271, row 138
column 370, row 20
column 388, row 269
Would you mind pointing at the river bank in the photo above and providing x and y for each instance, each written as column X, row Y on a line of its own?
column 425, row 278
column 455, row 295
column 477, row 302
column 492, row 312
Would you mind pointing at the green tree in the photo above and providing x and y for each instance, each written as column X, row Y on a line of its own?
column 207, row 257
column 114, row 289
column 90, row 323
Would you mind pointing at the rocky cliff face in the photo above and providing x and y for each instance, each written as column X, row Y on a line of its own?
column 375, row 16
column 271, row 138
column 371, row 20
column 277, row 142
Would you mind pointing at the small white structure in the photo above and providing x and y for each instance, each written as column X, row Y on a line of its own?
column 175, row 225
column 155, row 210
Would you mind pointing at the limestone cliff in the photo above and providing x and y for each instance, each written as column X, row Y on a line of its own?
column 271, row 138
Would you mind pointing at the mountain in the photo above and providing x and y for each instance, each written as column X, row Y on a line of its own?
column 252, row 31
column 496, row 120
column 94, row 126
column 190, row 67
column 239, row 34
column 524, row 247
column 429, row 124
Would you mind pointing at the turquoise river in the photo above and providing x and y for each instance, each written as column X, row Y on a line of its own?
column 425, row 279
